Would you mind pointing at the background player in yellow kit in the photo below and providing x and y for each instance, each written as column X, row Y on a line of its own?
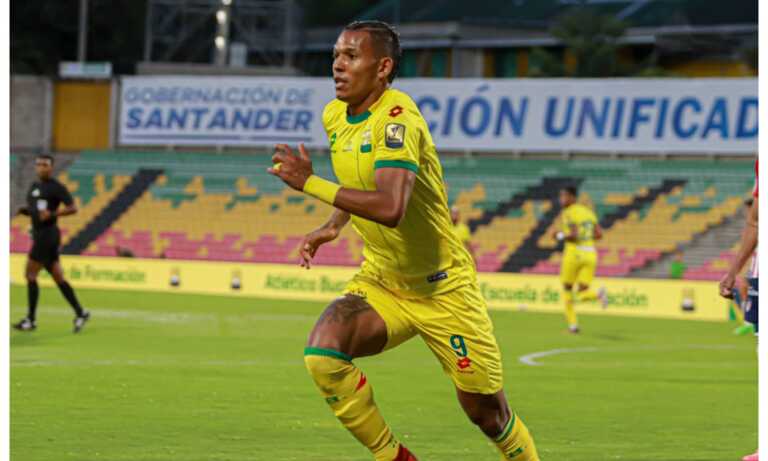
column 462, row 231
column 417, row 278
column 580, row 229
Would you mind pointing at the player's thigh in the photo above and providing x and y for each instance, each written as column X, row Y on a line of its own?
column 349, row 325
column 32, row 268
column 364, row 321
column 390, row 308
column 56, row 271
column 569, row 268
column 587, row 268
column 457, row 329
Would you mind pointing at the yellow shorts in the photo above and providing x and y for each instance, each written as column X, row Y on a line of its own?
column 454, row 325
column 578, row 266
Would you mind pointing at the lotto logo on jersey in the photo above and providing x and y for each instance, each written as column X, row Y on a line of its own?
column 395, row 111
column 394, row 135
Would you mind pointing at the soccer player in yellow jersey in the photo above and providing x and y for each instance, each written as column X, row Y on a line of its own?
column 462, row 231
column 580, row 230
column 416, row 278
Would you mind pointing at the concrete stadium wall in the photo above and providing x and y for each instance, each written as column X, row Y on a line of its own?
column 30, row 113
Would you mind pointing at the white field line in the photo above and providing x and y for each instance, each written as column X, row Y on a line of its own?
column 167, row 317
column 530, row 359
column 138, row 363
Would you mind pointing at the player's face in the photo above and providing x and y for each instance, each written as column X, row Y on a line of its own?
column 355, row 66
column 43, row 168
column 566, row 199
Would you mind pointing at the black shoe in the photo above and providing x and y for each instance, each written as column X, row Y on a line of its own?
column 80, row 321
column 25, row 325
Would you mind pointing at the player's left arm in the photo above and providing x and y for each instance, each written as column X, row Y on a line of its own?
column 386, row 205
column 69, row 205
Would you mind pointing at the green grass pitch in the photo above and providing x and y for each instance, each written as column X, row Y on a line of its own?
column 200, row 378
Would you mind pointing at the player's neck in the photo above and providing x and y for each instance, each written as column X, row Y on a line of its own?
column 366, row 103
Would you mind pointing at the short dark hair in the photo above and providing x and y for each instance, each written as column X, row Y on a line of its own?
column 45, row 157
column 573, row 190
column 385, row 38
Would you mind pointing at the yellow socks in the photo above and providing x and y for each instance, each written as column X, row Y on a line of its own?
column 350, row 397
column 570, row 312
column 515, row 442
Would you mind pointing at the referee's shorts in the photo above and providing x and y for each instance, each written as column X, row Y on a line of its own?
column 45, row 246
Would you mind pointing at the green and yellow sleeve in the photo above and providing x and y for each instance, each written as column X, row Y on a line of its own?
column 397, row 142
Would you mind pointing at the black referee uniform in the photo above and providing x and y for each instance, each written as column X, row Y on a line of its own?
column 46, row 237
column 47, row 194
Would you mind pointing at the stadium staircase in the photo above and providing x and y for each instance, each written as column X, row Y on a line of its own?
column 140, row 182
column 703, row 254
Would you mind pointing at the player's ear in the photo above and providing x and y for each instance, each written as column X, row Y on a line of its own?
column 386, row 67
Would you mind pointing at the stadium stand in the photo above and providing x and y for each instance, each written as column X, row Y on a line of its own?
column 200, row 206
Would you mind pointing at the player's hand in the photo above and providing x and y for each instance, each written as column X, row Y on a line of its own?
column 292, row 169
column 312, row 242
column 726, row 286
column 44, row 215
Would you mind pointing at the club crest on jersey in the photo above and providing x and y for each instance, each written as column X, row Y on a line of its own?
column 395, row 111
column 394, row 135
column 463, row 363
column 36, row 193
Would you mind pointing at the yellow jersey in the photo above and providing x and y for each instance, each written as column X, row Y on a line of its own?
column 585, row 221
column 422, row 256
column 462, row 232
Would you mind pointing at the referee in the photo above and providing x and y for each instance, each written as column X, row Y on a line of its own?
column 43, row 200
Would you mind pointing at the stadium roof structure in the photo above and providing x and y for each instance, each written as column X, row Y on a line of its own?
column 520, row 23
column 540, row 13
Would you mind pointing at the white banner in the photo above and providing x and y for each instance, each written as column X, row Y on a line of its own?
column 209, row 111
column 614, row 115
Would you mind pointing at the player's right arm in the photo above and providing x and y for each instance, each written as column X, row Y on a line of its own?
column 746, row 249
column 325, row 233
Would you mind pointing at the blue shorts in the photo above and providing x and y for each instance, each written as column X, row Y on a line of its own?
column 751, row 305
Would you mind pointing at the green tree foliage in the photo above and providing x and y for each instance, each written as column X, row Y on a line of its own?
column 591, row 38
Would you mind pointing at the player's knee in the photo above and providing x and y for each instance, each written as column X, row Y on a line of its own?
column 490, row 422
column 31, row 277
